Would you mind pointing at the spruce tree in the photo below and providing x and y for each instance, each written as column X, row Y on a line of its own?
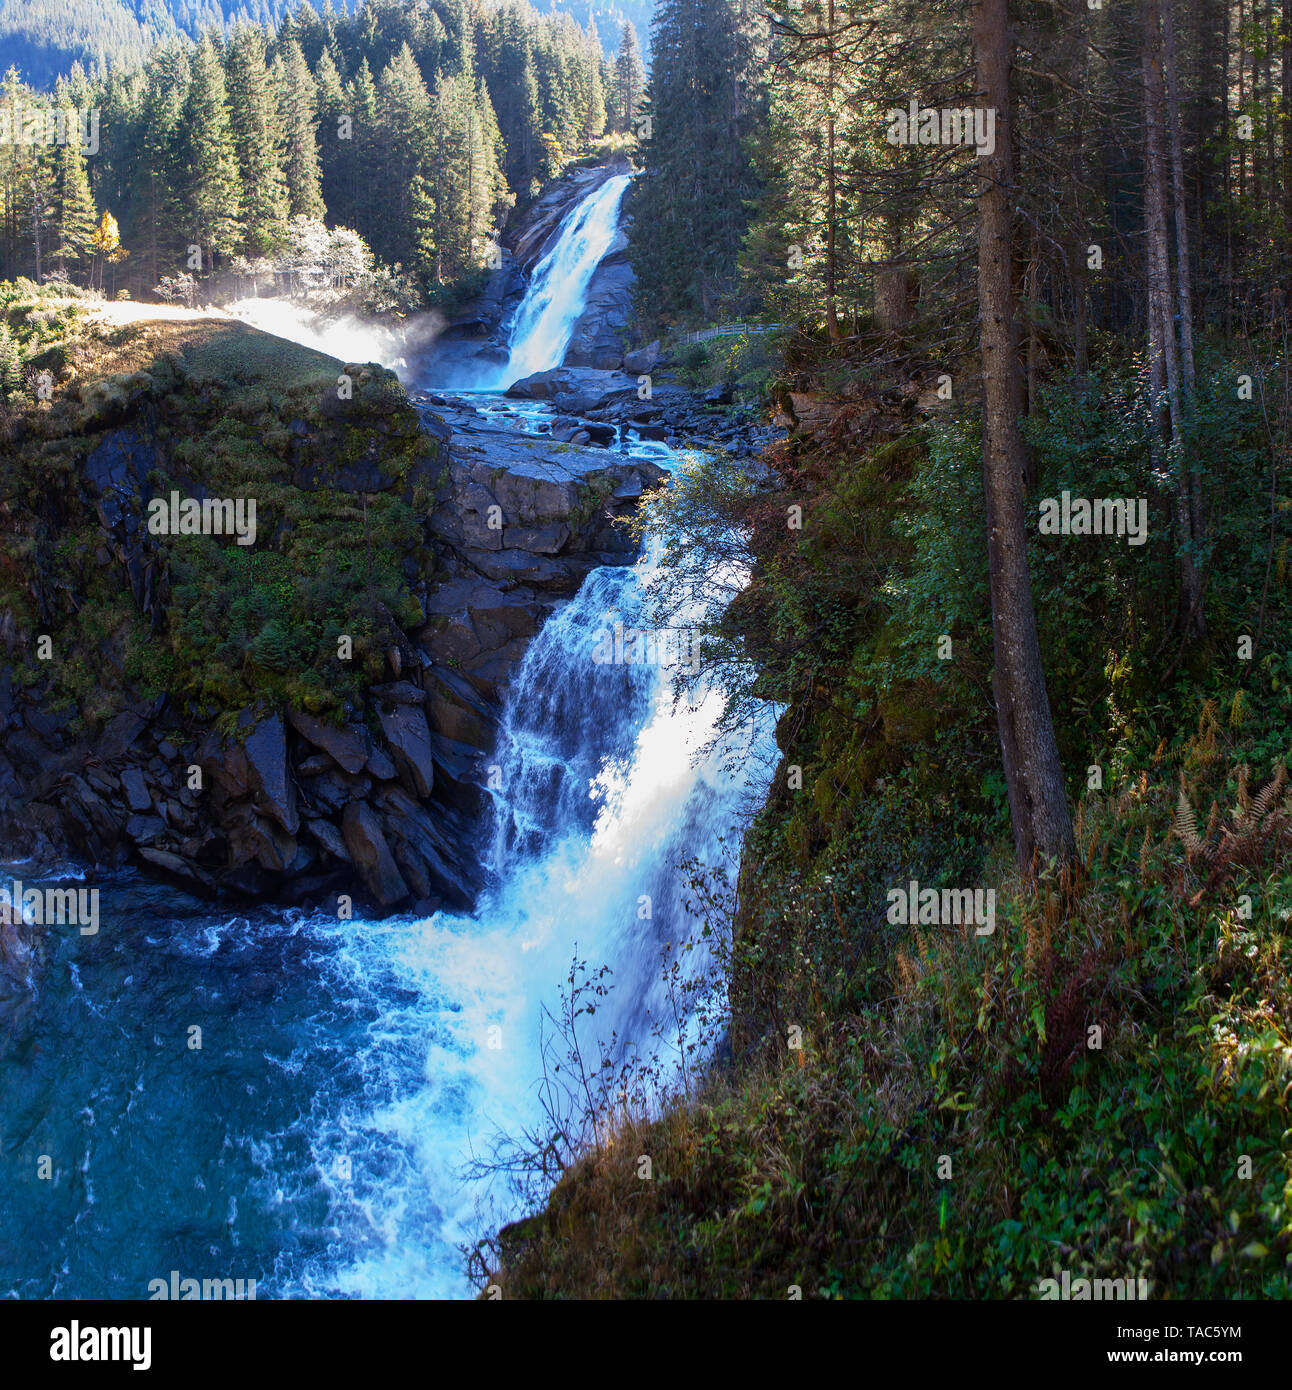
column 404, row 109
column 213, row 197
column 594, row 111
column 629, row 80
column 257, row 139
column 301, row 159
column 12, row 377
column 74, row 215
column 156, row 189
column 698, row 178
column 335, row 118
column 363, row 152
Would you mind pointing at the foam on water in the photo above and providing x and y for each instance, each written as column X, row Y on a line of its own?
column 602, row 798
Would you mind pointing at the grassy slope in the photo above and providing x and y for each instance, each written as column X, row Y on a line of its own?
column 236, row 413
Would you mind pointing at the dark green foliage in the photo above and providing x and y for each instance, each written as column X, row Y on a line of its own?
column 698, row 177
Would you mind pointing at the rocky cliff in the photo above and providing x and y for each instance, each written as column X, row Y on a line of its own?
column 306, row 715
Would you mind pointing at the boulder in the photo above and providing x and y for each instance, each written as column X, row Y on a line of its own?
column 346, row 745
column 268, row 776
column 456, row 711
column 145, row 829
column 328, row 837
column 431, row 853
column 121, row 735
column 380, row 765
column 641, row 361
column 371, row 854
column 138, row 797
column 176, row 867
column 409, row 738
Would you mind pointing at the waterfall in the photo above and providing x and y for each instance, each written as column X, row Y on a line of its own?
column 607, row 785
column 558, row 288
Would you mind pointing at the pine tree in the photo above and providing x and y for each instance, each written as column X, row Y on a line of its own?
column 513, row 91
column 629, row 81
column 74, row 213
column 363, row 152
column 156, row 189
column 301, row 160
column 12, row 377
column 213, row 200
column 404, row 109
column 698, row 178
column 257, row 140
column 334, row 118
column 594, row 111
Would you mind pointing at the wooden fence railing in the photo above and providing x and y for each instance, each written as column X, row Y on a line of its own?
column 729, row 330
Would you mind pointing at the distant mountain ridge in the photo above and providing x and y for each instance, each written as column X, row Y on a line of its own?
column 44, row 38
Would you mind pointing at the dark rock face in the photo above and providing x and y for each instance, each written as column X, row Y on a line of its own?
column 406, row 731
column 346, row 746
column 598, row 336
column 368, row 851
column 265, row 750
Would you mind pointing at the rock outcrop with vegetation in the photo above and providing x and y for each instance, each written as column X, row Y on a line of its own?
column 296, row 718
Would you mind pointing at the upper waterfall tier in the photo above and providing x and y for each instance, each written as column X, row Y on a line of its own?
column 558, row 289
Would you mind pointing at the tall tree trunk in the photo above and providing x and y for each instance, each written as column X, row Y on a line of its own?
column 1162, row 305
column 1080, row 291
column 1030, row 290
column 36, row 214
column 1184, row 282
column 1286, row 66
column 1033, row 774
column 831, row 314
column 1229, row 174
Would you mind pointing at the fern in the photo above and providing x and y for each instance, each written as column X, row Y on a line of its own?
column 1186, row 825
column 1238, row 710
column 1268, row 796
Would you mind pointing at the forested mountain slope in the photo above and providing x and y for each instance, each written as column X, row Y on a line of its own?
column 42, row 39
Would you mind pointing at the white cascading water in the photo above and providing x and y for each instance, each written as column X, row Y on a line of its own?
column 601, row 801
column 558, row 288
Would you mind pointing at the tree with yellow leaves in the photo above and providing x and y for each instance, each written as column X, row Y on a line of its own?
column 107, row 246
